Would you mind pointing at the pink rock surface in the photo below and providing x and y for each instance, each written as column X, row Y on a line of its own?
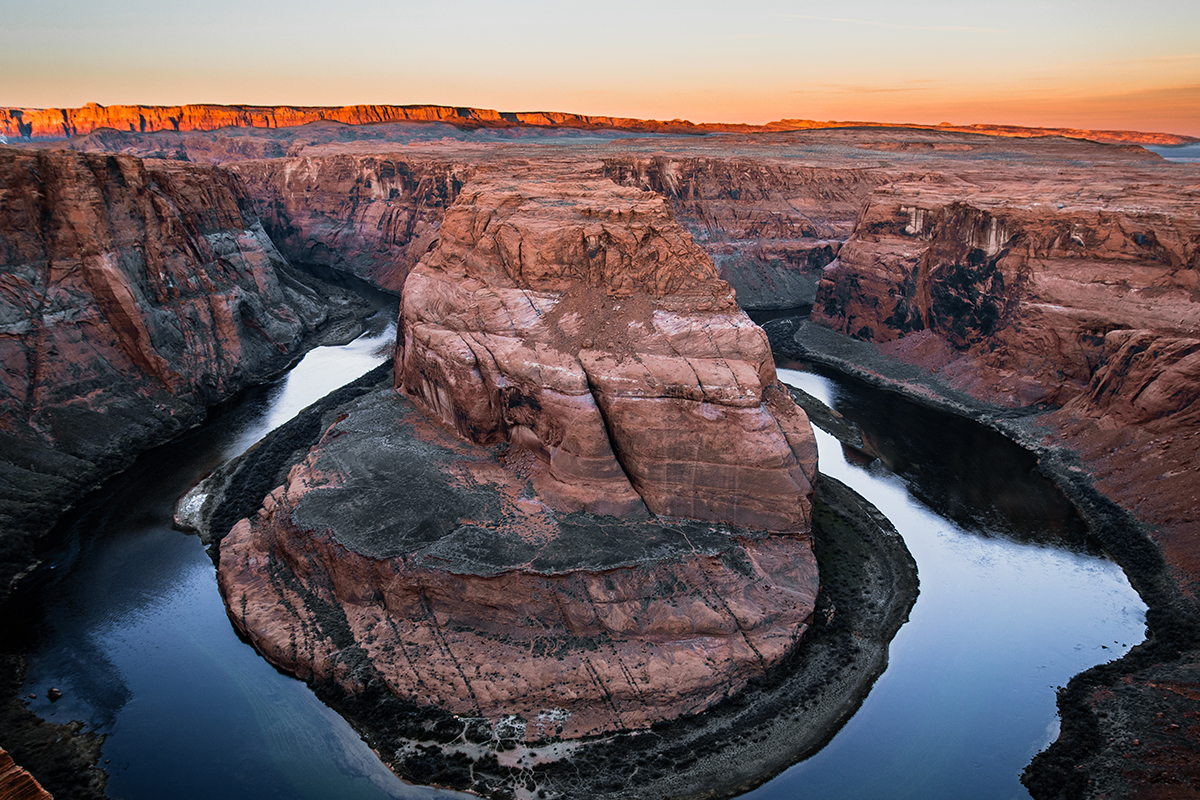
column 578, row 320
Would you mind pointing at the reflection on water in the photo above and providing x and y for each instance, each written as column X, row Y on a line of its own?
column 127, row 621
column 968, row 696
column 961, row 470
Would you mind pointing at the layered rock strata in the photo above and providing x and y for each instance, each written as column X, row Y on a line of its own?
column 1076, row 295
column 1046, row 296
column 17, row 784
column 64, row 122
column 133, row 295
column 770, row 226
column 373, row 216
column 518, row 551
column 1011, row 291
column 579, row 322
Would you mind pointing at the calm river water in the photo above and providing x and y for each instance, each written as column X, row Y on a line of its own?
column 126, row 620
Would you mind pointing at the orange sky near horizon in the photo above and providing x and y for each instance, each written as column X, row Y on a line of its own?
column 1051, row 63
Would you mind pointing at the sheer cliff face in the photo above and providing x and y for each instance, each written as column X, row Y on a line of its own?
column 132, row 295
column 768, row 225
column 1079, row 290
column 1013, row 290
column 372, row 216
column 581, row 323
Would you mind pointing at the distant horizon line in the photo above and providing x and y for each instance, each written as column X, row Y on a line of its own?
column 27, row 122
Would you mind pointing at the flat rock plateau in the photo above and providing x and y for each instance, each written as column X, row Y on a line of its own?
column 1044, row 284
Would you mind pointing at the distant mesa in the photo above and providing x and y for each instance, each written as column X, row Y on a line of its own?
column 60, row 123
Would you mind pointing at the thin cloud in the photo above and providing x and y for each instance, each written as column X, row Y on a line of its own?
column 899, row 26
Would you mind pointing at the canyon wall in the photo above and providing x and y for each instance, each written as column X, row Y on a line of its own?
column 1010, row 291
column 769, row 226
column 133, row 294
column 372, row 216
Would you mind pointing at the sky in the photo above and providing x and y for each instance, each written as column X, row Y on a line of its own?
column 1053, row 63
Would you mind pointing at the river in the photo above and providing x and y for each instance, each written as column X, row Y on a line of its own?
column 125, row 619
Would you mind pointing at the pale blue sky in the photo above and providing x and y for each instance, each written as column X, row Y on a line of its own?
column 1094, row 64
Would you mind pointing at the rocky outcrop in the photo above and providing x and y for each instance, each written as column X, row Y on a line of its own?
column 132, row 296
column 373, row 216
column 769, row 225
column 579, row 322
column 521, row 552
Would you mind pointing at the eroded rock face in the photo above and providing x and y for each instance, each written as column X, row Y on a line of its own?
column 1080, row 290
column 60, row 122
column 132, row 295
column 768, row 225
column 1011, row 292
column 396, row 552
column 372, row 216
column 579, row 322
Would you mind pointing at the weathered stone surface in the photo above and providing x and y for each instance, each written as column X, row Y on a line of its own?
column 373, row 216
column 17, row 784
column 132, row 296
column 1078, row 288
column 580, row 322
column 769, row 225
column 1012, row 288
column 600, row 372
column 396, row 552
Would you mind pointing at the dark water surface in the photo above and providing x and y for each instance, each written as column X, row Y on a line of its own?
column 126, row 620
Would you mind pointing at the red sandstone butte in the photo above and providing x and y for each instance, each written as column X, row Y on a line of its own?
column 579, row 364
column 580, row 322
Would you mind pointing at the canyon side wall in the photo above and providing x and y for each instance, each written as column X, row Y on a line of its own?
column 1013, row 294
column 372, row 216
column 133, row 295
column 1074, row 296
column 768, row 225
